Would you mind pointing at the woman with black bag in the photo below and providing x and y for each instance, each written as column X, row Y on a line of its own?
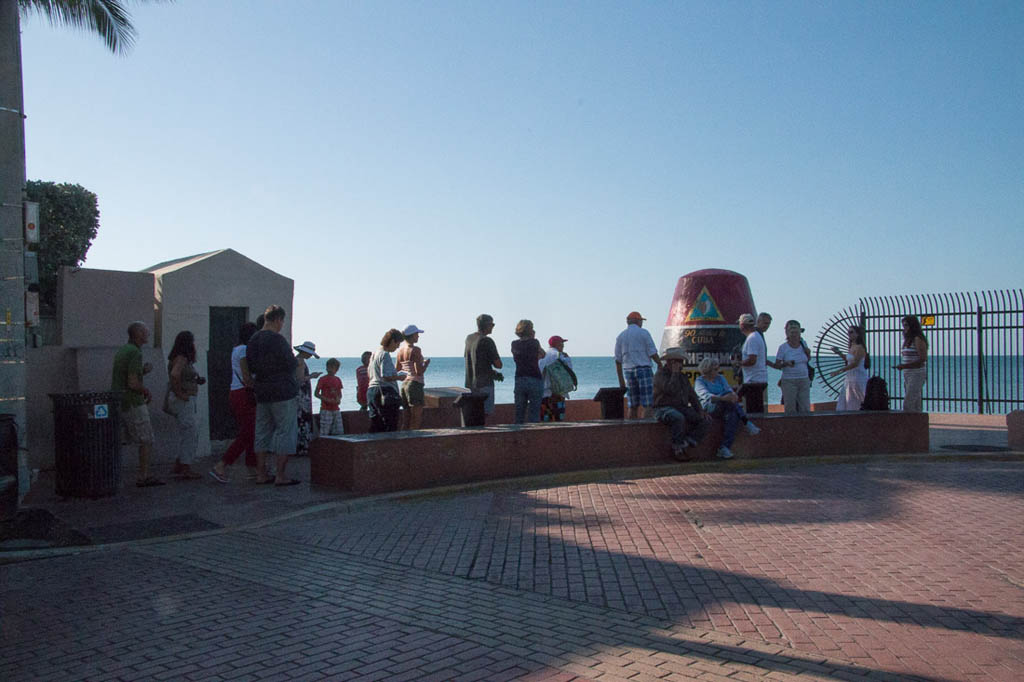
column 382, row 396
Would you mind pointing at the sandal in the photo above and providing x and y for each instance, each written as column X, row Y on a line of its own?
column 148, row 482
column 217, row 477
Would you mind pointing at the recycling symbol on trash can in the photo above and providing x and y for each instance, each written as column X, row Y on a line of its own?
column 99, row 412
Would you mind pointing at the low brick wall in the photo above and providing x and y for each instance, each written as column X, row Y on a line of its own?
column 376, row 463
column 439, row 413
column 1015, row 430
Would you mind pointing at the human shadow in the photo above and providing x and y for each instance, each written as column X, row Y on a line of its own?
column 866, row 491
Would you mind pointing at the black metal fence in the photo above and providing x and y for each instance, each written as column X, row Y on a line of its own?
column 975, row 347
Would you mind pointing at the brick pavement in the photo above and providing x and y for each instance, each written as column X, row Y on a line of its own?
column 861, row 571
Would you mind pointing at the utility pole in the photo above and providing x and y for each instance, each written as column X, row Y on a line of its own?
column 13, row 382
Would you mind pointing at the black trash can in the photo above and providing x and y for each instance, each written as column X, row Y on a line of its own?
column 471, row 406
column 8, row 466
column 611, row 402
column 87, row 443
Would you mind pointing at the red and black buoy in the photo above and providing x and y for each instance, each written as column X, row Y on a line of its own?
column 702, row 319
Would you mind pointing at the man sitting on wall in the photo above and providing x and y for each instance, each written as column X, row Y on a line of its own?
column 677, row 405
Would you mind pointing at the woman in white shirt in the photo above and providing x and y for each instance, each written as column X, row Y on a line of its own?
column 382, row 396
column 856, row 368
column 793, row 358
column 913, row 359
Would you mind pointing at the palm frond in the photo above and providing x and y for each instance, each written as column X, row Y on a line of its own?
column 107, row 18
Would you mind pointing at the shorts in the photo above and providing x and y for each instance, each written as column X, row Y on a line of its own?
column 412, row 394
column 330, row 423
column 277, row 427
column 136, row 428
column 489, row 400
column 640, row 385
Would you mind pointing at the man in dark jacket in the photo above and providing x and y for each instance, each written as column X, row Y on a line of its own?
column 676, row 404
column 272, row 364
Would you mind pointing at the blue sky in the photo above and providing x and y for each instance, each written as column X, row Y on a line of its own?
column 563, row 162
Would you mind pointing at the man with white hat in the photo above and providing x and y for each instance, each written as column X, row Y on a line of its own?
column 410, row 359
column 754, row 364
column 634, row 350
column 677, row 405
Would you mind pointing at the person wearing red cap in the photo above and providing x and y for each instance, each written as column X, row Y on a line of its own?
column 634, row 350
column 552, row 405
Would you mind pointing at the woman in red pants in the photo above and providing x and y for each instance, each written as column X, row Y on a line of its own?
column 243, row 406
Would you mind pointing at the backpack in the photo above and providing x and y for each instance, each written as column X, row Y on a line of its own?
column 876, row 395
column 561, row 378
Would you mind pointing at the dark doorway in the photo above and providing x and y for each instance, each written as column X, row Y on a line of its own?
column 225, row 324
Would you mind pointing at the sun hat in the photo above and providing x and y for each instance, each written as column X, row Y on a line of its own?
column 307, row 347
column 746, row 318
column 674, row 354
column 411, row 329
column 555, row 340
column 635, row 316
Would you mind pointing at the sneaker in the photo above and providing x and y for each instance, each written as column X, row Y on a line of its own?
column 217, row 477
column 691, row 442
column 752, row 429
column 680, row 454
column 724, row 453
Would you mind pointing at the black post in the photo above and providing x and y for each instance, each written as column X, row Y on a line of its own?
column 981, row 366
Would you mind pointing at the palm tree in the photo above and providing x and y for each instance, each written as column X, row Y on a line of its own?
column 109, row 20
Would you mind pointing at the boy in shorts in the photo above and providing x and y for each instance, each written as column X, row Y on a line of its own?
column 328, row 392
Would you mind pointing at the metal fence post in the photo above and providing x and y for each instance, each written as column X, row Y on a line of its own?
column 981, row 364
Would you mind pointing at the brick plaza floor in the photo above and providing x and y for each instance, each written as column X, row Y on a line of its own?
column 876, row 570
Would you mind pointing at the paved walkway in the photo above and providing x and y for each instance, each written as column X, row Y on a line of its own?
column 883, row 569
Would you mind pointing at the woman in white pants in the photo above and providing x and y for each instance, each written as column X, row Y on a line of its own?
column 792, row 358
column 913, row 356
column 856, row 369
column 183, row 386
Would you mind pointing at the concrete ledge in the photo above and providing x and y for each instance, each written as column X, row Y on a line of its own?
column 1015, row 429
column 368, row 464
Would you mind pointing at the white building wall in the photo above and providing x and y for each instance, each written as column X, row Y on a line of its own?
column 224, row 279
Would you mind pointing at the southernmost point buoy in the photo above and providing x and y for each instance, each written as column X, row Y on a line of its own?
column 703, row 317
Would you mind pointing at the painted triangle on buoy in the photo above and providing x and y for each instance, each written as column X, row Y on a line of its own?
column 705, row 308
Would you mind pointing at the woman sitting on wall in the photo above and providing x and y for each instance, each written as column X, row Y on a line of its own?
column 721, row 402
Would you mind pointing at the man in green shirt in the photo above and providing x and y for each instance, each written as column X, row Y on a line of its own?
column 127, row 378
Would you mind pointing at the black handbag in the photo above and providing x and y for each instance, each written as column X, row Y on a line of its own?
column 389, row 396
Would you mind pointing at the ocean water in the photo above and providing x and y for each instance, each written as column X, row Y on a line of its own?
column 593, row 374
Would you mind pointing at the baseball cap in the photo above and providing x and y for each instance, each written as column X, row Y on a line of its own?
column 746, row 318
column 411, row 329
column 635, row 316
column 555, row 340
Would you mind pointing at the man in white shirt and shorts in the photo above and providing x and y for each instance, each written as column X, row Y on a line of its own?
column 634, row 350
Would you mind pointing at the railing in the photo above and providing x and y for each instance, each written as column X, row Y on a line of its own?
column 975, row 347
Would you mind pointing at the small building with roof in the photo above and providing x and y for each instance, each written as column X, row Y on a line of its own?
column 210, row 294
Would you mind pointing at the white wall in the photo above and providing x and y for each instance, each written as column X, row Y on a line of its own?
column 95, row 307
column 224, row 279
column 95, row 310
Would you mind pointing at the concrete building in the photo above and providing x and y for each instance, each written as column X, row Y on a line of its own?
column 209, row 294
